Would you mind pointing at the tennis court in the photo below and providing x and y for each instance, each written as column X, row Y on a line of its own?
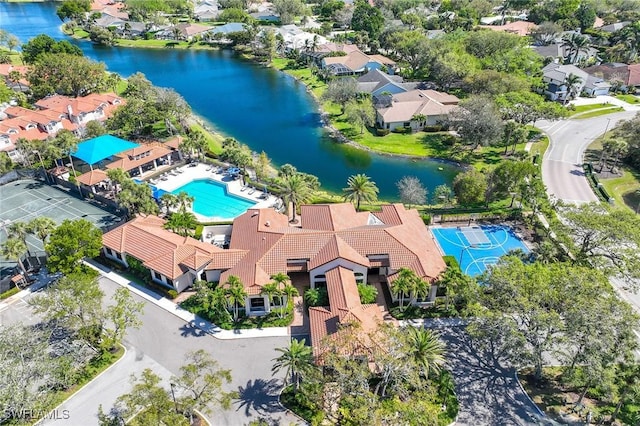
column 477, row 247
column 24, row 200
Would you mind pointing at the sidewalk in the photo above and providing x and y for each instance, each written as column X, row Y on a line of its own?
column 187, row 316
column 610, row 100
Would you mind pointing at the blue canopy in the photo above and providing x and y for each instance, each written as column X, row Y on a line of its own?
column 97, row 149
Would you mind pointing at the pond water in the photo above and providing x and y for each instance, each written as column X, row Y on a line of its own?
column 261, row 107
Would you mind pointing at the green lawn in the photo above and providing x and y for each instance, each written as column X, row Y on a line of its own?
column 15, row 57
column 630, row 99
column 599, row 112
column 584, row 108
column 214, row 140
column 312, row 82
column 623, row 189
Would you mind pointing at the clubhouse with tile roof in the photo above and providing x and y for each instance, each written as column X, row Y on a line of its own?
column 335, row 246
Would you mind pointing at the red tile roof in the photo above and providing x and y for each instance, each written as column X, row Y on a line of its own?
column 92, row 177
column 159, row 249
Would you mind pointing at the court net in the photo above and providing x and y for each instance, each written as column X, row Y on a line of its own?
column 474, row 235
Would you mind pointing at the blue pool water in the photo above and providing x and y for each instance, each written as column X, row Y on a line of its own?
column 213, row 200
column 474, row 258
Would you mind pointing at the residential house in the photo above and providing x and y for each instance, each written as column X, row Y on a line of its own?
column 81, row 110
column 223, row 31
column 377, row 83
column 612, row 28
column 189, row 31
column 333, row 243
column 298, row 39
column 560, row 52
column 555, row 77
column 356, row 62
column 415, row 109
column 267, row 16
column 141, row 159
column 623, row 75
column 596, row 86
column 207, row 10
column 54, row 113
column 22, row 84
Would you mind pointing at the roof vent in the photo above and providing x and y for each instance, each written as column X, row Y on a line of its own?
column 267, row 224
column 255, row 213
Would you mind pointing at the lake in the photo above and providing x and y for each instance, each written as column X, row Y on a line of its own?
column 261, row 107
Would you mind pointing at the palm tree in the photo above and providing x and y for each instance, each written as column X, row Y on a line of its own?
column 404, row 285
column 572, row 82
column 184, row 200
column 576, row 43
column 296, row 360
column 168, row 201
column 15, row 77
column 14, row 248
column 294, row 190
column 67, row 143
column 420, row 289
column 20, row 230
column 426, row 349
column 117, row 177
column 182, row 222
column 42, row 227
column 360, row 188
column 271, row 290
column 615, row 148
column 236, row 294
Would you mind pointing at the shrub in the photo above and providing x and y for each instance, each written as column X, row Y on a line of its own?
column 198, row 234
column 172, row 294
column 9, row 293
column 426, row 218
column 400, row 129
column 316, row 297
column 382, row 132
column 367, row 293
column 433, row 128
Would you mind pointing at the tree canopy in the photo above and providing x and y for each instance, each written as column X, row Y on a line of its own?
column 70, row 242
column 43, row 44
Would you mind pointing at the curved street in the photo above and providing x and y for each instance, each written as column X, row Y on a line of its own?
column 562, row 163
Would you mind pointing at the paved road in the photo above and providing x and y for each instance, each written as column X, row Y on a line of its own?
column 562, row 163
column 487, row 390
column 162, row 344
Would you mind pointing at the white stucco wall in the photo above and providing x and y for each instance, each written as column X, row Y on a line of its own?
column 322, row 269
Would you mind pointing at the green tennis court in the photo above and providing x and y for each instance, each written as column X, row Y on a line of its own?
column 24, row 200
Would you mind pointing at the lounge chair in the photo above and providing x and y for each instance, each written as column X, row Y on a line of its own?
column 244, row 188
column 251, row 191
column 264, row 196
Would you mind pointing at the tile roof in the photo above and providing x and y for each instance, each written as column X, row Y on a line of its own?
column 127, row 160
column 92, row 177
column 159, row 249
column 408, row 104
column 329, row 232
column 344, row 309
column 521, row 28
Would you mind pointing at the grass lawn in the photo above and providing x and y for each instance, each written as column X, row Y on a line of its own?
column 214, row 140
column 599, row 112
column 539, row 148
column 630, row 99
column 584, row 108
column 624, row 189
column 15, row 57
column 313, row 83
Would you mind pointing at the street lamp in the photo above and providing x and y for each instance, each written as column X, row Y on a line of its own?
column 173, row 395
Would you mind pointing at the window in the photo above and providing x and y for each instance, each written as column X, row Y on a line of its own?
column 359, row 277
column 257, row 304
column 278, row 301
column 157, row 275
column 118, row 256
column 109, row 252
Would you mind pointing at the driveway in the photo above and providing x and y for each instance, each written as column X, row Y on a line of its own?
column 487, row 390
column 562, row 163
column 162, row 344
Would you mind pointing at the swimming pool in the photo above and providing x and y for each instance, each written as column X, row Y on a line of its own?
column 476, row 253
column 212, row 199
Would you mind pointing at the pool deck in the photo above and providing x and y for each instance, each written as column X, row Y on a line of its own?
column 205, row 171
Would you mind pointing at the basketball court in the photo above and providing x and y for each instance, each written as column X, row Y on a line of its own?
column 477, row 247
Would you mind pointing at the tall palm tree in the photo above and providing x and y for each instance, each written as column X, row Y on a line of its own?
column 271, row 290
column 294, row 190
column 615, row 148
column 426, row 350
column 14, row 248
column 576, row 43
column 42, row 227
column 572, row 82
column 296, row 360
column 236, row 295
column 360, row 188
column 184, row 200
column 420, row 289
column 182, row 222
column 67, row 143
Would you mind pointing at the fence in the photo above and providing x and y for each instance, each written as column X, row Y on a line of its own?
column 595, row 183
